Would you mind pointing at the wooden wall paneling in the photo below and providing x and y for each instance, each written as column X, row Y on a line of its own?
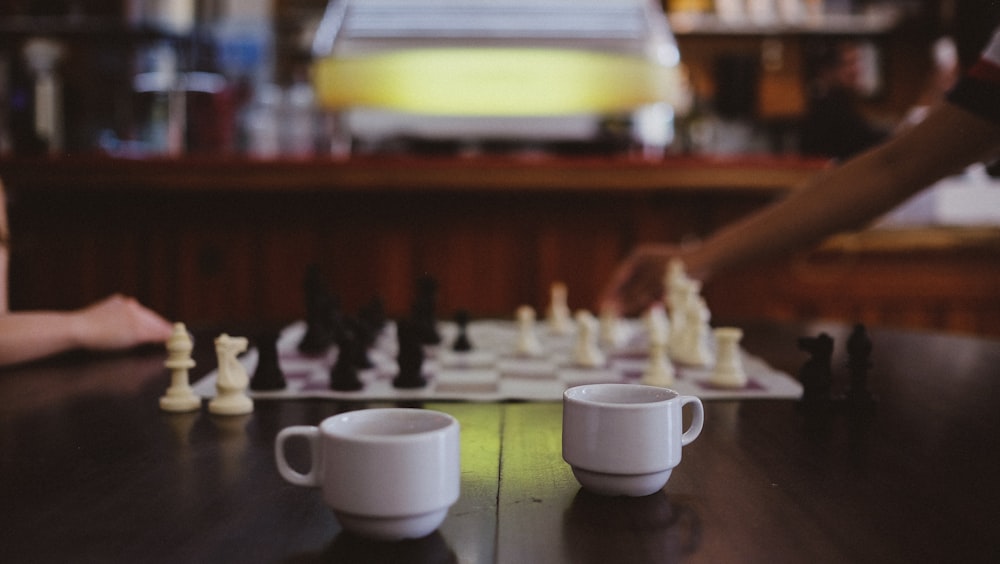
column 478, row 254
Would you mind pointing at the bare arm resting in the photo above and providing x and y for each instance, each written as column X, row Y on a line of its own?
column 117, row 322
column 846, row 197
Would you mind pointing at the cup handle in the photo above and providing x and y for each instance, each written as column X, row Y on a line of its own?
column 311, row 434
column 697, row 421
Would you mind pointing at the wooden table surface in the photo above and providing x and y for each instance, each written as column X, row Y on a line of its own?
column 92, row 471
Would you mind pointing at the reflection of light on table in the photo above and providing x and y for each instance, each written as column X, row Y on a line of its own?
column 492, row 81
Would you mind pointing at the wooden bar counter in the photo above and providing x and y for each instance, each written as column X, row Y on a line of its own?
column 205, row 240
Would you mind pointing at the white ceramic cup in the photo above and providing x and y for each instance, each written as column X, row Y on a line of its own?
column 626, row 439
column 388, row 474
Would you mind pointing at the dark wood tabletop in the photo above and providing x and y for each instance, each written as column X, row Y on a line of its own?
column 92, row 471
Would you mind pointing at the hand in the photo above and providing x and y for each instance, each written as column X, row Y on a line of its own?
column 119, row 322
column 638, row 281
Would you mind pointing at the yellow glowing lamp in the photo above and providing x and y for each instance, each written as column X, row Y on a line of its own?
column 492, row 81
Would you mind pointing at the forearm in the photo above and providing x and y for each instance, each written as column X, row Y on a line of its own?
column 27, row 336
column 852, row 195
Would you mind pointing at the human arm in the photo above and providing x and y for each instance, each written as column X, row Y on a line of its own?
column 853, row 194
column 845, row 197
column 117, row 322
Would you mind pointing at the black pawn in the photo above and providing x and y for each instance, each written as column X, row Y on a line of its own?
column 268, row 375
column 859, row 352
column 363, row 340
column 411, row 356
column 344, row 373
column 816, row 375
column 423, row 311
column 373, row 315
column 462, row 342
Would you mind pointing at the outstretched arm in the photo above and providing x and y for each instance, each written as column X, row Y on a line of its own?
column 841, row 198
column 854, row 194
column 117, row 322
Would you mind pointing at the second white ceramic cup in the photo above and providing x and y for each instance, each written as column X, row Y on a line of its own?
column 388, row 474
column 626, row 439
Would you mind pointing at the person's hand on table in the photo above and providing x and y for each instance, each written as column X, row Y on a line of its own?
column 118, row 322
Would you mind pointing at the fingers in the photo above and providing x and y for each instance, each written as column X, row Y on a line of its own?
column 120, row 322
column 638, row 281
column 150, row 326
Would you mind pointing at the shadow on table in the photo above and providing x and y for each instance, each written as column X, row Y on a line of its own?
column 346, row 547
column 652, row 528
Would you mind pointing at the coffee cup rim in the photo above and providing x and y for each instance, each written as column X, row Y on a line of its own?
column 336, row 425
column 656, row 394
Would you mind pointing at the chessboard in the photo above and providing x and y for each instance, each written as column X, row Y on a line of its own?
column 493, row 370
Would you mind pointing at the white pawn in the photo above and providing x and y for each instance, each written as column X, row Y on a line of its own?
column 612, row 331
column 232, row 380
column 728, row 371
column 657, row 323
column 558, row 312
column 179, row 397
column 587, row 354
column 659, row 370
column 527, row 339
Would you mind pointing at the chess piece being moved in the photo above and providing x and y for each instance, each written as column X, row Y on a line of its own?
column 728, row 371
column 232, row 380
column 587, row 353
column 558, row 312
column 527, row 337
column 691, row 345
column 179, row 397
column 674, row 284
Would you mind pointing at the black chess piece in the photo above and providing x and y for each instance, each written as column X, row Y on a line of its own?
column 462, row 342
column 816, row 375
column 323, row 317
column 410, row 357
column 424, row 310
column 373, row 315
column 344, row 373
column 268, row 374
column 859, row 351
column 364, row 337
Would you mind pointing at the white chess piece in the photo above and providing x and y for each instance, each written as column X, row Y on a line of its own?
column 657, row 323
column 179, row 397
column 587, row 353
column 673, row 283
column 728, row 371
column 691, row 346
column 232, row 380
column 678, row 318
column 612, row 330
column 527, row 338
column 659, row 370
column 558, row 312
